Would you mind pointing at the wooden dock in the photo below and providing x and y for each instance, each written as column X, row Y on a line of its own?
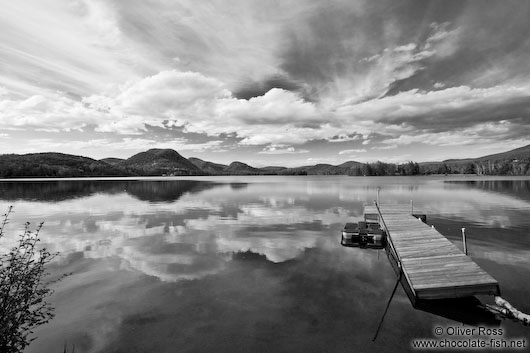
column 432, row 266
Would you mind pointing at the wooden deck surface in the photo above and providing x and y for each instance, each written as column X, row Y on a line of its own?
column 432, row 265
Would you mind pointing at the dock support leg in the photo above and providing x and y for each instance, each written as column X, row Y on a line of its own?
column 387, row 305
column 464, row 240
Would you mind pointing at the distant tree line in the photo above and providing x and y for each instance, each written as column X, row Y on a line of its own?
column 14, row 170
column 58, row 165
column 484, row 167
column 383, row 169
column 502, row 167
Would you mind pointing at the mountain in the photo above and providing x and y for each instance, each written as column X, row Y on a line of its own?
column 520, row 153
column 160, row 162
column 239, row 168
column 318, row 169
column 513, row 162
column 55, row 165
column 272, row 170
column 208, row 167
column 157, row 162
column 347, row 168
column 112, row 161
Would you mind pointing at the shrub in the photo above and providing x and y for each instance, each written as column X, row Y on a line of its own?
column 23, row 290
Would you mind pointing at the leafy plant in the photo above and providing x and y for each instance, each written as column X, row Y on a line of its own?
column 23, row 290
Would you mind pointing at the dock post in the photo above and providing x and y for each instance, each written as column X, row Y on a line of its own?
column 378, row 188
column 464, row 240
column 411, row 206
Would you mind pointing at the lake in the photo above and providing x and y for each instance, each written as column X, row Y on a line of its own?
column 254, row 264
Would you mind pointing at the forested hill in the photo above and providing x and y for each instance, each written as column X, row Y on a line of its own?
column 160, row 162
column 153, row 162
column 55, row 165
column 514, row 162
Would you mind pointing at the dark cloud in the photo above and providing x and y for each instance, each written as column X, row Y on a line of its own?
column 514, row 111
column 492, row 43
column 493, row 46
column 256, row 89
column 332, row 41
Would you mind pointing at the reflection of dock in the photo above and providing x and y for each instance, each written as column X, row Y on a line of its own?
column 432, row 267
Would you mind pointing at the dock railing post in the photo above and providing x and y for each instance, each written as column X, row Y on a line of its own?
column 464, row 240
column 378, row 188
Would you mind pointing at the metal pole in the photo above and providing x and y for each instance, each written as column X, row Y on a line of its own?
column 464, row 240
column 378, row 188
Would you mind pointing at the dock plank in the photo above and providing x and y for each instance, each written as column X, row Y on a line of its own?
column 433, row 266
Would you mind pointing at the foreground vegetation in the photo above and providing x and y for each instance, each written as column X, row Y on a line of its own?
column 23, row 290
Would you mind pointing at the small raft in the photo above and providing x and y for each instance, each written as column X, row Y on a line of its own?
column 363, row 234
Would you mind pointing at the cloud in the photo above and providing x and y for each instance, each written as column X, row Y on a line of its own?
column 169, row 95
column 75, row 48
column 256, row 89
column 202, row 105
column 442, row 40
column 344, row 137
column 445, row 110
column 484, row 133
column 281, row 149
column 54, row 112
column 286, row 74
column 387, row 147
column 106, row 147
column 359, row 150
column 199, row 104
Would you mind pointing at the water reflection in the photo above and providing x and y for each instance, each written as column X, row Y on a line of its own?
column 516, row 188
column 60, row 190
column 469, row 311
column 248, row 264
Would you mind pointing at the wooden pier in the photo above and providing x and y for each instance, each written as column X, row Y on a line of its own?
column 430, row 265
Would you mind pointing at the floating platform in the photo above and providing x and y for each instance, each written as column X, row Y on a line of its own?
column 431, row 266
column 363, row 235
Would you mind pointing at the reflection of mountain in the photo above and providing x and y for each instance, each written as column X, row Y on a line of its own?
column 53, row 191
column 167, row 191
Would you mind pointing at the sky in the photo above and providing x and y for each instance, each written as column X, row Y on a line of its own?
column 276, row 82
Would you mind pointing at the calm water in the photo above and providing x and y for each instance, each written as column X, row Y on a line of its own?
column 254, row 264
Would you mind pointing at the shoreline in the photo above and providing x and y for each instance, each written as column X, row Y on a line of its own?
column 449, row 177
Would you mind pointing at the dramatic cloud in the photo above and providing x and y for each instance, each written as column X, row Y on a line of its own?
column 446, row 110
column 308, row 76
column 54, row 112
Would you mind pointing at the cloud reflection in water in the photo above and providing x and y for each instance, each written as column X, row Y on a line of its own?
column 239, row 264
